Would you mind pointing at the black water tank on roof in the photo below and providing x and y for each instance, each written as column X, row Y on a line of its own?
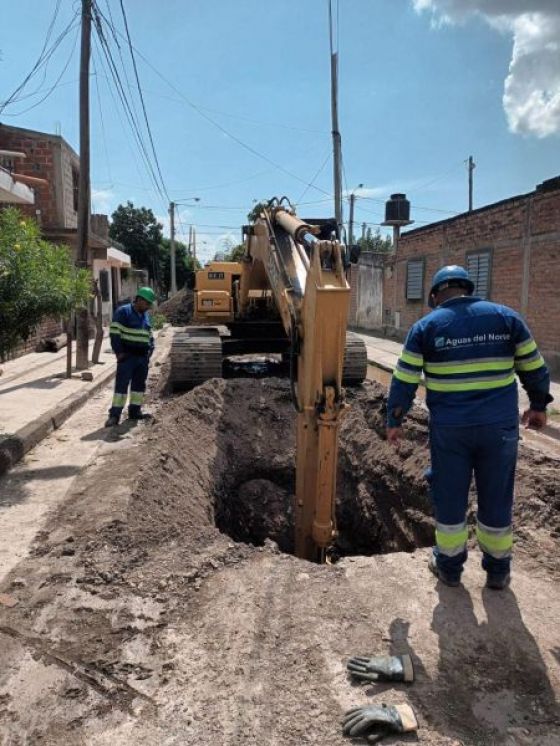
column 397, row 209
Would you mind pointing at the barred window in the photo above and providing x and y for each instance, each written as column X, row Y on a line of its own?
column 415, row 279
column 478, row 267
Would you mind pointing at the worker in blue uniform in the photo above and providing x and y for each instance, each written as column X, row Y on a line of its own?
column 133, row 344
column 469, row 350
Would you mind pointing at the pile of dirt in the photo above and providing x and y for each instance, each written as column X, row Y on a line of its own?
column 179, row 309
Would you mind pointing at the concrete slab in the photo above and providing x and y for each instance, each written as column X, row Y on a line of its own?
column 36, row 398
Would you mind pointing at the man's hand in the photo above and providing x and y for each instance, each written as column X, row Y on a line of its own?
column 394, row 434
column 121, row 356
column 534, row 420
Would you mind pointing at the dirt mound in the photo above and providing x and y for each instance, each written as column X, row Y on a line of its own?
column 224, row 457
column 178, row 310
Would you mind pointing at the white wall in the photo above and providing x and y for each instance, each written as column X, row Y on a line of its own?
column 369, row 300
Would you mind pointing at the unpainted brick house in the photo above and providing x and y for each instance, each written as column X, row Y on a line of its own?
column 51, row 158
column 511, row 250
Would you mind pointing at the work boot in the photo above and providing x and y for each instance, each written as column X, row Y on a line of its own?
column 139, row 416
column 112, row 421
column 497, row 582
column 451, row 580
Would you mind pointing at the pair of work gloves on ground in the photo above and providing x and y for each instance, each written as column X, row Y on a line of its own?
column 374, row 722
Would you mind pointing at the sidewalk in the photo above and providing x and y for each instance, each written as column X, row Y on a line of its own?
column 36, row 397
column 384, row 354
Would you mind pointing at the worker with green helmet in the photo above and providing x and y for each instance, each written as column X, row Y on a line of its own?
column 133, row 344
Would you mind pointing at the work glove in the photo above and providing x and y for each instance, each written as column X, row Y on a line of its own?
column 381, row 668
column 374, row 722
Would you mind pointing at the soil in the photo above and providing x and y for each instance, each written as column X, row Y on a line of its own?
column 161, row 605
column 178, row 310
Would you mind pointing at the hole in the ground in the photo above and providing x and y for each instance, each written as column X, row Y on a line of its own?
column 382, row 500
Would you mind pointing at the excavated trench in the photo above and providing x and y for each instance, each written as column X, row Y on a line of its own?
column 224, row 459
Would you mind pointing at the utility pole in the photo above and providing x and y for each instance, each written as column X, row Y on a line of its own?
column 337, row 143
column 351, row 217
column 194, row 245
column 351, row 221
column 364, row 228
column 172, row 247
column 82, row 326
column 472, row 166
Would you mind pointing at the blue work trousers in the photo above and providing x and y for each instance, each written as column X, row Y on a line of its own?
column 490, row 452
column 133, row 372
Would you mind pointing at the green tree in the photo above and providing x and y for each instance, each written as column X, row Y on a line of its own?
column 185, row 265
column 37, row 280
column 235, row 253
column 137, row 229
column 256, row 211
column 375, row 242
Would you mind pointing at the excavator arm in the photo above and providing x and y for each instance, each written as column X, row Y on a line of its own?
column 306, row 276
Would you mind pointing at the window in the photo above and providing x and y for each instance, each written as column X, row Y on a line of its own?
column 415, row 279
column 104, row 285
column 478, row 267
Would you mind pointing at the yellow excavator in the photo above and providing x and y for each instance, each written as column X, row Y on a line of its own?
column 288, row 295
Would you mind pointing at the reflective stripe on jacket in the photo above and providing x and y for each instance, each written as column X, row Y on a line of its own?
column 131, row 332
column 469, row 351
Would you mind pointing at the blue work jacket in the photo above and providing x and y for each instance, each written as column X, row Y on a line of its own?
column 469, row 351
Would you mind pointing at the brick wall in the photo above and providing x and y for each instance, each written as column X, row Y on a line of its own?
column 523, row 236
column 48, row 328
column 48, row 157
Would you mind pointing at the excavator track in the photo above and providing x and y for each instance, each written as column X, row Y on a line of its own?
column 196, row 356
column 354, row 370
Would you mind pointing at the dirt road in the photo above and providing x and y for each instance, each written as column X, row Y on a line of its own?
column 145, row 616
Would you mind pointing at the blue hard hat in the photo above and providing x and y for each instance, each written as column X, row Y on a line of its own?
column 452, row 272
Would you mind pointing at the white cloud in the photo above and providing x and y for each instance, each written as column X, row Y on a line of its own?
column 532, row 88
column 102, row 201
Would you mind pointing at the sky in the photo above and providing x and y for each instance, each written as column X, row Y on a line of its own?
column 237, row 97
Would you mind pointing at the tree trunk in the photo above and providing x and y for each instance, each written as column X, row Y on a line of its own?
column 69, row 347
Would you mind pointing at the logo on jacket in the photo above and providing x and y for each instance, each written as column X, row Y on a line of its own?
column 478, row 339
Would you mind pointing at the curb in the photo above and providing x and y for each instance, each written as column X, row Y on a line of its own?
column 14, row 447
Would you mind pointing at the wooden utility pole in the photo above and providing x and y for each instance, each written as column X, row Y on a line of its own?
column 472, row 166
column 172, row 247
column 351, row 221
column 337, row 142
column 82, row 327
column 194, row 245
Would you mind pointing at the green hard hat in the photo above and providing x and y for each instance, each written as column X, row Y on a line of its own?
column 147, row 294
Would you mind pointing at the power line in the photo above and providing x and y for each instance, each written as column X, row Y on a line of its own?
column 319, row 170
column 107, row 160
column 218, row 126
column 127, row 108
column 42, row 62
column 148, row 128
column 117, row 109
